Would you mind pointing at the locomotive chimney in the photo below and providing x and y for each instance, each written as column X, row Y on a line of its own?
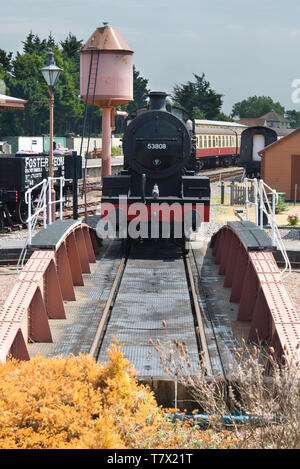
column 157, row 101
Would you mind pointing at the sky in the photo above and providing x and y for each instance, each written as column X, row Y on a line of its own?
column 244, row 47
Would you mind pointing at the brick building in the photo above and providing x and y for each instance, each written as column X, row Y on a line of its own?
column 280, row 166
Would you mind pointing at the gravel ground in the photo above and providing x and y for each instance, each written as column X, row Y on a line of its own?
column 8, row 277
column 292, row 285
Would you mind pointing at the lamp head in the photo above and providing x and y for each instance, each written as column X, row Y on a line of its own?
column 51, row 71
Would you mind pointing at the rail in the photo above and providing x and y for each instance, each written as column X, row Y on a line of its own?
column 43, row 205
column 263, row 207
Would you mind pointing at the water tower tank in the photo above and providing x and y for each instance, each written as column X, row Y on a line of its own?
column 114, row 82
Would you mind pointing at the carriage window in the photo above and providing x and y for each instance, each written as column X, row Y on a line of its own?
column 200, row 142
column 205, row 141
column 227, row 142
column 223, row 141
column 213, row 142
column 209, row 142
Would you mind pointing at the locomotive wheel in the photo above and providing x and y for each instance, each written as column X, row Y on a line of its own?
column 200, row 165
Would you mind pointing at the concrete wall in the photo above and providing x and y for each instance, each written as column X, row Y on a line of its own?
column 74, row 143
column 94, row 166
column 25, row 144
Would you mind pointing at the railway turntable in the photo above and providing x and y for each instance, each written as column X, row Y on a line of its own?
column 152, row 306
column 70, row 300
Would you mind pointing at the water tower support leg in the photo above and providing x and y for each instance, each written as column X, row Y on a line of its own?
column 106, row 141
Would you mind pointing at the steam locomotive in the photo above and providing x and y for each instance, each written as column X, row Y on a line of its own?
column 157, row 194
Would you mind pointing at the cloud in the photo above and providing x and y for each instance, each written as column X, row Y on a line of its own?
column 295, row 32
column 235, row 27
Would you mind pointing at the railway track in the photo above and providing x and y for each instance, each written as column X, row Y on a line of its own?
column 222, row 173
column 155, row 287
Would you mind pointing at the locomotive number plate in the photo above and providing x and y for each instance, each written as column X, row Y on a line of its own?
column 157, row 146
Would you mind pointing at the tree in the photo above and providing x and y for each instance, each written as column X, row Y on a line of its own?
column 256, row 106
column 22, row 77
column 34, row 45
column 294, row 118
column 197, row 113
column 5, row 61
column 198, row 94
column 140, row 91
column 71, row 46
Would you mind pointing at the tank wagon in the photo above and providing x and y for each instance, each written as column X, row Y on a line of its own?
column 158, row 186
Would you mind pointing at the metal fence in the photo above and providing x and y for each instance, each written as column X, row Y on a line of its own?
column 238, row 193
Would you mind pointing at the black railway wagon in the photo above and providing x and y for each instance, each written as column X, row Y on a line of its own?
column 254, row 139
column 20, row 172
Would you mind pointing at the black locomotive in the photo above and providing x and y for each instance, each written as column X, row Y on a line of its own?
column 19, row 172
column 254, row 139
column 158, row 186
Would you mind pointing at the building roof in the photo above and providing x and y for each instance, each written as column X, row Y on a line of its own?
column 252, row 121
column 207, row 123
column 219, row 131
column 274, row 116
column 278, row 142
column 8, row 102
column 282, row 132
column 106, row 38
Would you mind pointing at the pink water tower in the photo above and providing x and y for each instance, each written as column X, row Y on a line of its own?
column 106, row 80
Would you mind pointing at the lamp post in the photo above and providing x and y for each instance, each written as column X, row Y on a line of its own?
column 51, row 73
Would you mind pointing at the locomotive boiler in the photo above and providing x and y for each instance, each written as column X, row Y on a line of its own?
column 157, row 194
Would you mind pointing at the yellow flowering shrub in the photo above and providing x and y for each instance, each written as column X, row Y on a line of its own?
column 75, row 402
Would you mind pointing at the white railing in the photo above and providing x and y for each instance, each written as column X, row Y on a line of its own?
column 44, row 204
column 263, row 206
column 62, row 181
column 248, row 202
